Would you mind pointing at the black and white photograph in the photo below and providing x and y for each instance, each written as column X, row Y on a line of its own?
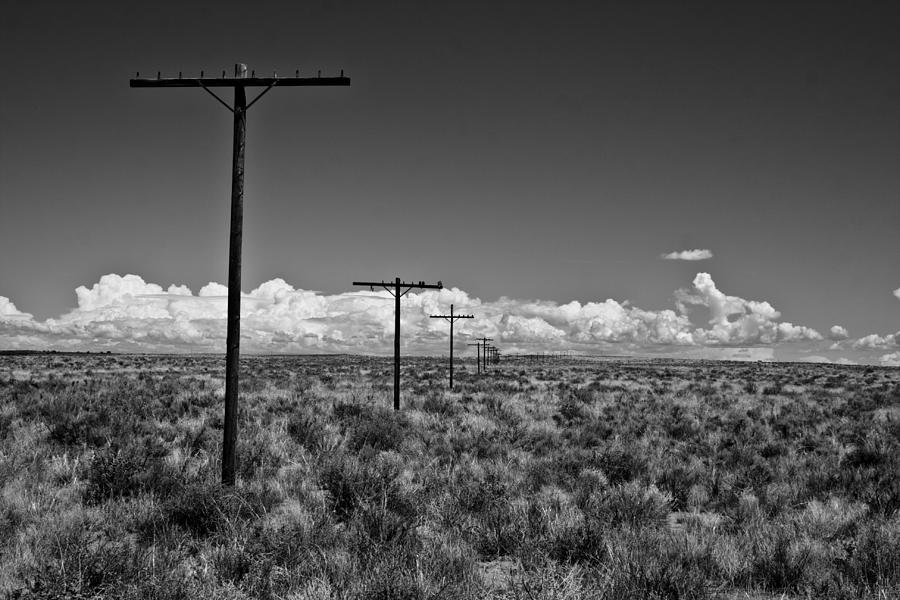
column 450, row 300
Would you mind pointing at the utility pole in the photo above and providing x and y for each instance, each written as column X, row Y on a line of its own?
column 452, row 318
column 484, row 344
column 239, row 82
column 395, row 292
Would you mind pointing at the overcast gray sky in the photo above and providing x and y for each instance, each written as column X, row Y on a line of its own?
column 530, row 150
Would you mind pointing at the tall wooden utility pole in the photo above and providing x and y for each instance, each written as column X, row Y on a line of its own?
column 239, row 82
column 452, row 318
column 395, row 292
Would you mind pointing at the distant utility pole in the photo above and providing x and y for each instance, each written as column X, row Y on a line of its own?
column 484, row 344
column 452, row 318
column 239, row 82
column 395, row 292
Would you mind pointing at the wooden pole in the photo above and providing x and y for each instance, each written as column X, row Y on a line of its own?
column 396, row 343
column 452, row 317
column 451, row 346
column 233, row 336
column 394, row 288
column 239, row 82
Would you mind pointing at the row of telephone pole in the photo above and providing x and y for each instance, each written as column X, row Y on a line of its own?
column 486, row 353
column 239, row 83
column 394, row 289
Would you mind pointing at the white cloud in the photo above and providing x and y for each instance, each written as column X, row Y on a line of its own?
column 519, row 329
column 735, row 321
column 890, row 360
column 897, row 293
column 125, row 313
column 696, row 254
column 8, row 310
column 213, row 289
column 114, row 290
column 878, row 342
column 838, row 333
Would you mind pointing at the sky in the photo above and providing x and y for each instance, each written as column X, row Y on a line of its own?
column 697, row 179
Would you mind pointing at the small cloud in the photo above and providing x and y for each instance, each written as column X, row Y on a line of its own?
column 838, row 333
column 688, row 255
column 878, row 342
column 213, row 289
column 897, row 293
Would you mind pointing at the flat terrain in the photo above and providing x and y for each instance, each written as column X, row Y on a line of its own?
column 564, row 479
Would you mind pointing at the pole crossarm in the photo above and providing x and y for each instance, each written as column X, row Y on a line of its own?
column 387, row 285
column 448, row 318
column 235, row 82
column 209, row 82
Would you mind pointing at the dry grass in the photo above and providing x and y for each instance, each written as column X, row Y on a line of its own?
column 592, row 479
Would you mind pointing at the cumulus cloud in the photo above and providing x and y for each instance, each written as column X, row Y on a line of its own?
column 878, row 342
column 736, row 321
column 696, row 254
column 890, row 360
column 126, row 313
column 8, row 310
column 897, row 293
column 838, row 333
